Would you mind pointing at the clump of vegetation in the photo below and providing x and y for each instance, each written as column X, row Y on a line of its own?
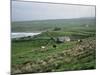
column 57, row 29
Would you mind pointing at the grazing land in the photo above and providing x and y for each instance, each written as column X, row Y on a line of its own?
column 51, row 51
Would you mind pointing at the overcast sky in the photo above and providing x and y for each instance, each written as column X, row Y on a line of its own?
column 23, row 11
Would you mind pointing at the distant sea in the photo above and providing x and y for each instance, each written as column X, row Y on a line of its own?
column 23, row 34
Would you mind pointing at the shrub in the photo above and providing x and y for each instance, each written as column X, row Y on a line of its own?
column 57, row 29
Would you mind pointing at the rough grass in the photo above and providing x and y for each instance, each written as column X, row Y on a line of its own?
column 67, row 56
column 28, row 56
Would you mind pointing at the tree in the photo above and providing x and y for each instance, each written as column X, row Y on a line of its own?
column 57, row 29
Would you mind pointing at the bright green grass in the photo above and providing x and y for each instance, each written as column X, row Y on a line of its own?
column 31, row 50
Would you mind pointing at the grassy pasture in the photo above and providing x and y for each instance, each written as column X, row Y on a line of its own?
column 43, row 25
column 28, row 56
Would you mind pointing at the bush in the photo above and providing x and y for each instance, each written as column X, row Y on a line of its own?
column 57, row 29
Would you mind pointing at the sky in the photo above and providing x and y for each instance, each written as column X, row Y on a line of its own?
column 25, row 11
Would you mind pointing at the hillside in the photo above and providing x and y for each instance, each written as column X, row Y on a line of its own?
column 42, row 53
column 43, row 25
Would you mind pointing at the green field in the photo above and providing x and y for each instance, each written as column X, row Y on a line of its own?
column 44, row 25
column 28, row 56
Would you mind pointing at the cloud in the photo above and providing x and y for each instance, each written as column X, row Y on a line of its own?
column 39, row 11
column 22, row 10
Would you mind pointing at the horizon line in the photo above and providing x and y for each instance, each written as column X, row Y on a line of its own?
column 52, row 19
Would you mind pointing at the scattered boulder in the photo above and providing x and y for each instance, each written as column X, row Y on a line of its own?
column 42, row 47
